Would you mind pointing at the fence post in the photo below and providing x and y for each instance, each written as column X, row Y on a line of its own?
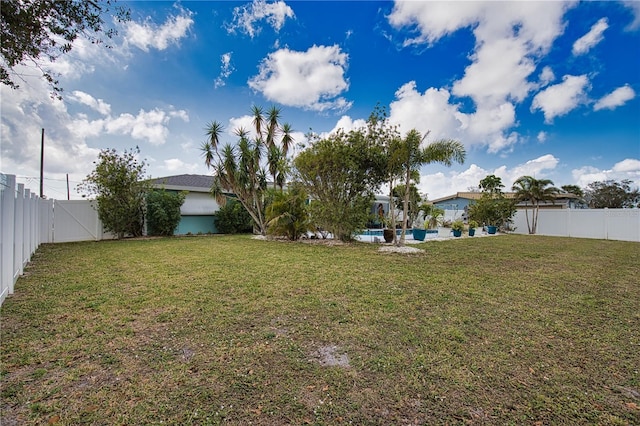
column 26, row 226
column 7, row 210
column 19, row 235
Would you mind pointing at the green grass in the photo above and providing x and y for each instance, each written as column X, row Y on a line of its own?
column 209, row 330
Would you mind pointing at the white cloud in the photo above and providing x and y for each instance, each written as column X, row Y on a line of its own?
column 428, row 111
column 628, row 168
column 311, row 80
column 147, row 35
column 347, row 124
column 590, row 39
column 546, row 76
column 226, row 68
column 542, row 137
column 559, row 99
column 535, row 168
column 147, row 125
column 616, row 98
column 499, row 72
column 510, row 37
column 629, row 165
column 432, row 112
column 98, row 105
column 634, row 5
column 246, row 17
column 177, row 165
column 441, row 184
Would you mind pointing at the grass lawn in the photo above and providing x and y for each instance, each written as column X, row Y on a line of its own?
column 227, row 329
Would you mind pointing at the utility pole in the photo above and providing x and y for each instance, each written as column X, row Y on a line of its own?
column 42, row 165
column 68, row 197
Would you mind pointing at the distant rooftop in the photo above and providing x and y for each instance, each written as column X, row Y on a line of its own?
column 184, row 181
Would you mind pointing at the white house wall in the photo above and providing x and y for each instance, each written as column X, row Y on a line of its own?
column 199, row 203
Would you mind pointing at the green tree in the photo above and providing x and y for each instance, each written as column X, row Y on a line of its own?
column 238, row 170
column 493, row 208
column 444, row 151
column 287, row 213
column 233, row 218
column 491, row 184
column 163, row 211
column 386, row 137
column 341, row 174
column 530, row 189
column 120, row 187
column 612, row 194
column 431, row 214
column 573, row 189
column 33, row 30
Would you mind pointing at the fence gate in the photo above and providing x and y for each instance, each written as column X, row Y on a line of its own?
column 75, row 220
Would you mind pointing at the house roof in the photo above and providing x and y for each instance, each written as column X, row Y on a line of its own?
column 200, row 183
column 478, row 195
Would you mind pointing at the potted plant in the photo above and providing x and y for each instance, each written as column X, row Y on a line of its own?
column 388, row 230
column 420, row 234
column 457, row 226
column 472, row 227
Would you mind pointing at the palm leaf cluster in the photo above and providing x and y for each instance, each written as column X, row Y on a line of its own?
column 240, row 169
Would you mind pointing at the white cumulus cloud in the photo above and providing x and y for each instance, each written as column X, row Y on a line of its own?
column 590, row 39
column 616, row 98
column 98, row 105
column 148, row 35
column 510, row 38
column 559, row 99
column 247, row 16
column 312, row 79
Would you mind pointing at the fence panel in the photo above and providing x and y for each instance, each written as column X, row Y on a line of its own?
column 611, row 224
column 7, row 233
column 75, row 220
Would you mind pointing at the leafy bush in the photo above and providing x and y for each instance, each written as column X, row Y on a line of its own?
column 163, row 211
column 233, row 218
column 120, row 188
column 287, row 214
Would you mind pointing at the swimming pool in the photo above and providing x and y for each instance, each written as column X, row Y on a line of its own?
column 371, row 234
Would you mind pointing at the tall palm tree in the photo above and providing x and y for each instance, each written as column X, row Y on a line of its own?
column 443, row 151
column 530, row 189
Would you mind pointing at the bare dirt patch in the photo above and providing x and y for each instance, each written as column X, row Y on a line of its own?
column 331, row 356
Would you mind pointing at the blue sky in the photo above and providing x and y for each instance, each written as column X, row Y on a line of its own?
column 548, row 88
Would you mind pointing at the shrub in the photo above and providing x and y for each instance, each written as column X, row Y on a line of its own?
column 233, row 218
column 163, row 211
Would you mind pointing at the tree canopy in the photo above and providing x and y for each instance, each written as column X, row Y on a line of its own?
column 239, row 170
column 33, row 30
column 341, row 174
column 612, row 194
column 119, row 184
column 534, row 191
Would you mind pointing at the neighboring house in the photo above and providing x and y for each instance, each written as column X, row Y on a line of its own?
column 199, row 205
column 456, row 205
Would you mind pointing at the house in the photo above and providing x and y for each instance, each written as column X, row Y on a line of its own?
column 199, row 205
column 456, row 205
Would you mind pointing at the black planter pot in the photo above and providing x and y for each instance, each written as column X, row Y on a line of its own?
column 388, row 235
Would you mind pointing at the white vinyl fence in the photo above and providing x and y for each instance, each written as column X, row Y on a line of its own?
column 26, row 221
column 606, row 224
